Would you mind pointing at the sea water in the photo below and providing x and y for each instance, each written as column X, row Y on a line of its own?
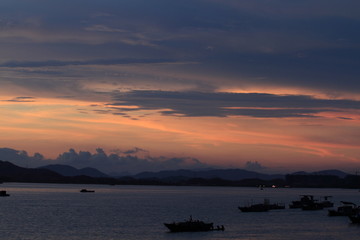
column 60, row 211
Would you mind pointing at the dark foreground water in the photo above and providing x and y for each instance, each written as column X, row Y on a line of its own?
column 56, row 211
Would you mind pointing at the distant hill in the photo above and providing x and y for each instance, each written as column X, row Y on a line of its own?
column 214, row 177
column 69, row 171
column 332, row 172
column 12, row 173
column 226, row 174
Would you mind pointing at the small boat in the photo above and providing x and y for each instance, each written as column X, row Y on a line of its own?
column 355, row 218
column 304, row 200
column 273, row 206
column 326, row 203
column 260, row 207
column 192, row 226
column 86, row 191
column 312, row 206
column 3, row 193
column 347, row 209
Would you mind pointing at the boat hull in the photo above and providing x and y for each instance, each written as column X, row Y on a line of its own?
column 254, row 208
column 189, row 226
column 355, row 219
column 4, row 194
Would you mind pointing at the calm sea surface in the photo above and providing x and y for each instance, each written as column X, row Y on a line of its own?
column 57, row 211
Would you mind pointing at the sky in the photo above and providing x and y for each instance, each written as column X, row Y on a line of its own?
column 270, row 85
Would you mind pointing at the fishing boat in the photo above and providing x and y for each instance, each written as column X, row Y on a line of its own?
column 273, row 206
column 326, row 203
column 312, row 206
column 191, row 225
column 347, row 209
column 304, row 200
column 86, row 190
column 3, row 193
column 262, row 207
column 355, row 218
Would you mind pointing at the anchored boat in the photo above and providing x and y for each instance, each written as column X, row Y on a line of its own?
column 191, row 225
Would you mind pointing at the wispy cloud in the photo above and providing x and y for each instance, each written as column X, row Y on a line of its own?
column 200, row 104
column 57, row 63
column 103, row 28
column 21, row 99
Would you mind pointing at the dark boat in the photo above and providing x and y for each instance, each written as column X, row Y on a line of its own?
column 355, row 218
column 312, row 206
column 3, row 193
column 307, row 202
column 304, row 200
column 326, row 203
column 86, row 191
column 347, row 209
column 262, row 207
column 273, row 206
column 192, row 226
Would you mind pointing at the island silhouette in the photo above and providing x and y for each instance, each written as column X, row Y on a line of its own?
column 10, row 172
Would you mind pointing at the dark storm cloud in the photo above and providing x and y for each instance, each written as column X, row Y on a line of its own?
column 309, row 44
column 119, row 161
column 126, row 161
column 322, row 69
column 21, row 157
column 201, row 104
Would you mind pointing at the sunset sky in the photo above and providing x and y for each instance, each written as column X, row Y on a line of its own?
column 222, row 82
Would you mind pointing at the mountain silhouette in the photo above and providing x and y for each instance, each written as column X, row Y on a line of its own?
column 214, row 177
column 226, row 174
column 70, row 171
column 332, row 172
column 12, row 173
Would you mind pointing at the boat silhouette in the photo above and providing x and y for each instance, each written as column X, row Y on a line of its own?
column 191, row 225
column 86, row 191
column 3, row 193
column 347, row 209
column 262, row 207
column 304, row 201
column 355, row 218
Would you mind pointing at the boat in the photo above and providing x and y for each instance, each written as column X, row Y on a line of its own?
column 347, row 209
column 307, row 202
column 262, row 207
column 326, row 203
column 304, row 200
column 355, row 218
column 273, row 206
column 3, row 193
column 191, row 225
column 312, row 206
column 86, row 191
